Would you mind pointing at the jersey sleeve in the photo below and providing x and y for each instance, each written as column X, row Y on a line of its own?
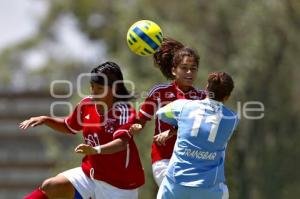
column 126, row 118
column 170, row 113
column 148, row 108
column 234, row 125
column 237, row 120
column 73, row 121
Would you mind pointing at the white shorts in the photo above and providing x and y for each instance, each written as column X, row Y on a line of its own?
column 159, row 170
column 96, row 189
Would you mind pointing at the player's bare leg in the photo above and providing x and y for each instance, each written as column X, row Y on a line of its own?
column 58, row 186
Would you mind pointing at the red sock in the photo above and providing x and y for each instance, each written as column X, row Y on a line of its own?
column 36, row 194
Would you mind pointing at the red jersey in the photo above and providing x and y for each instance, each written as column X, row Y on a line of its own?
column 159, row 96
column 122, row 169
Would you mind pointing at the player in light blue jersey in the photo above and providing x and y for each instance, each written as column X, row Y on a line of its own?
column 196, row 169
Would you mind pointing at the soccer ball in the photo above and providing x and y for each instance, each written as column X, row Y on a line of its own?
column 144, row 37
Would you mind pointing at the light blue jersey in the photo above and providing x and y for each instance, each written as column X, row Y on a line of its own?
column 204, row 129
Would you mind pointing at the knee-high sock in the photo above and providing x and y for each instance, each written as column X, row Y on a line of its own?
column 36, row 194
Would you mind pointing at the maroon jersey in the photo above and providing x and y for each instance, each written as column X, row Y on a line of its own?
column 122, row 169
column 159, row 96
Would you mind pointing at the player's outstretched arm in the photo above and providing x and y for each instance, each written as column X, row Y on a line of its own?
column 56, row 124
column 114, row 146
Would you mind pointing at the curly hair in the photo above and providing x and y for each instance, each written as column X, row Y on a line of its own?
column 171, row 54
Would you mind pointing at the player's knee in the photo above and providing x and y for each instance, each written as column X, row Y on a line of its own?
column 58, row 187
column 48, row 185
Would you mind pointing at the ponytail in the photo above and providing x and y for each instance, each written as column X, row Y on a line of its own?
column 171, row 54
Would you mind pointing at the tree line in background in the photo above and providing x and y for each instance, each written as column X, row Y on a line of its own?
column 257, row 42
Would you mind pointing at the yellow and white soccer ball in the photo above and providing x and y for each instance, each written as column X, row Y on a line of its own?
column 144, row 37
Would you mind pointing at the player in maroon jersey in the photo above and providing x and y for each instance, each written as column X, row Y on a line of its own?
column 111, row 167
column 180, row 64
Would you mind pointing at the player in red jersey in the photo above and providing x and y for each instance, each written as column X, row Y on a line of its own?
column 180, row 64
column 111, row 167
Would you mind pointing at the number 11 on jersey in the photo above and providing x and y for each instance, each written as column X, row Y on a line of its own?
column 199, row 118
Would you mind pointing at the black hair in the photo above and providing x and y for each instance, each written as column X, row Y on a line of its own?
column 107, row 74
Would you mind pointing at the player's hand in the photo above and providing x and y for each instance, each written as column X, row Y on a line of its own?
column 85, row 149
column 161, row 138
column 32, row 122
column 135, row 128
